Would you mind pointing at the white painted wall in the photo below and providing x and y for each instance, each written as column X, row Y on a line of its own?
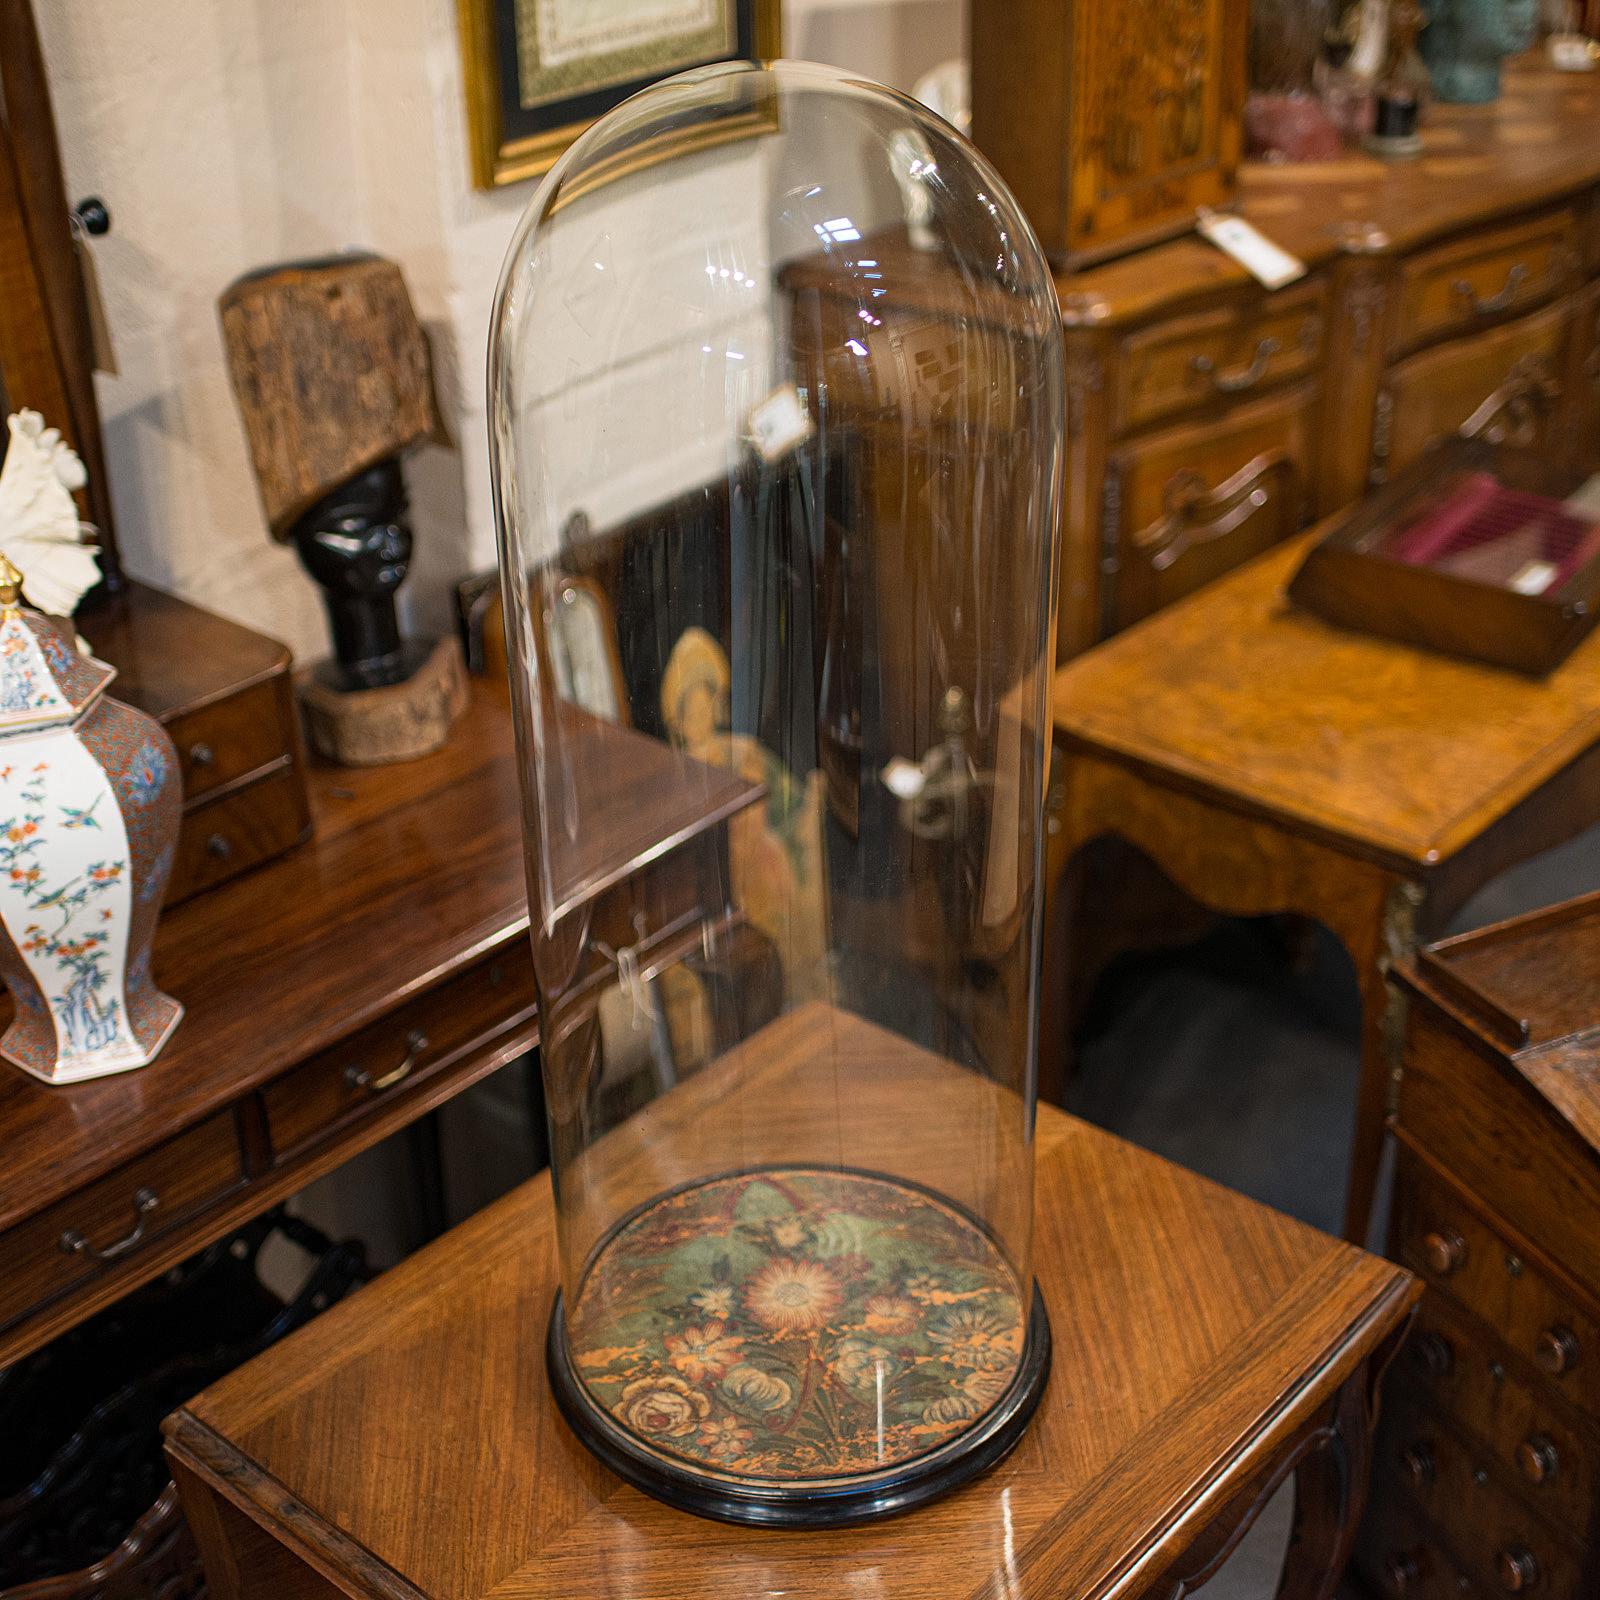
column 229, row 134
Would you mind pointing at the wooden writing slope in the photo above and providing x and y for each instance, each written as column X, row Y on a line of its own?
column 407, row 1443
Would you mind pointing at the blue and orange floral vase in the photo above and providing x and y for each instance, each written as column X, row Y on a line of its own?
column 90, row 796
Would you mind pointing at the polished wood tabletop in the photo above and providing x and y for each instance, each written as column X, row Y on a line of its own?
column 1397, row 754
column 407, row 1443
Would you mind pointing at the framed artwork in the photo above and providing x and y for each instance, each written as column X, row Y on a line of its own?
column 538, row 72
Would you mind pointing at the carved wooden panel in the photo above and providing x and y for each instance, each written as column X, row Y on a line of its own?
column 1111, row 123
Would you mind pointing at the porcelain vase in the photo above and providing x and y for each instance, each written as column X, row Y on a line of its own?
column 90, row 796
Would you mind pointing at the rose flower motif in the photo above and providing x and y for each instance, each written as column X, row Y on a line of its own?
column 663, row 1407
column 858, row 1364
column 792, row 1296
column 704, row 1352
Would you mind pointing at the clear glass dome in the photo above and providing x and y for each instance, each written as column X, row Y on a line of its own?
column 776, row 394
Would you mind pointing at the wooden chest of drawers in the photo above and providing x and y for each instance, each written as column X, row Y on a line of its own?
column 1487, row 1476
column 1208, row 418
column 223, row 692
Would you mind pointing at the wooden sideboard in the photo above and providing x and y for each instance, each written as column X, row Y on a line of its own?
column 333, row 996
column 1487, row 1476
column 1208, row 419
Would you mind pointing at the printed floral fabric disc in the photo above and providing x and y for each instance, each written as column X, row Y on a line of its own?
column 798, row 1324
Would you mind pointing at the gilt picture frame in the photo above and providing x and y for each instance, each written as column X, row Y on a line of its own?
column 538, row 72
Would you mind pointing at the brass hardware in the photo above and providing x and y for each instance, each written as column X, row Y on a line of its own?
column 1416, row 1461
column 1237, row 382
column 10, row 587
column 73, row 1243
column 1517, row 1569
column 1402, row 1572
column 1556, row 1351
column 1397, row 942
column 1537, row 1459
column 1513, row 1265
column 201, row 754
column 360, row 1078
column 1513, row 413
column 1194, row 514
column 1496, row 303
column 1432, row 1352
column 1443, row 1251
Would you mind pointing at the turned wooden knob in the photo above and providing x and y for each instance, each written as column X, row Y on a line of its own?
column 1416, row 1462
column 1432, row 1352
column 1537, row 1459
column 1403, row 1572
column 1517, row 1569
column 1443, row 1251
column 1556, row 1350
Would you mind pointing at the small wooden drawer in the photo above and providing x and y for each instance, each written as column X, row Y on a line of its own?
column 1460, row 286
column 1185, row 505
column 1508, row 385
column 111, row 1220
column 232, row 738
column 1440, row 1238
column 403, row 1050
column 1451, row 1366
column 236, row 831
column 1403, row 1558
column 1218, row 355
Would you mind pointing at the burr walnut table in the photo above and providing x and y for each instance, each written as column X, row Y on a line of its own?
column 407, row 1444
column 1266, row 762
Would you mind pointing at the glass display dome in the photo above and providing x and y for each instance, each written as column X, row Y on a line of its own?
column 776, row 419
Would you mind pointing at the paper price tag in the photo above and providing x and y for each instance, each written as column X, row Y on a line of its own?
column 780, row 423
column 1251, row 248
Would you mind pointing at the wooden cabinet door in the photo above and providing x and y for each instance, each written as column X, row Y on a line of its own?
column 1506, row 383
column 1185, row 506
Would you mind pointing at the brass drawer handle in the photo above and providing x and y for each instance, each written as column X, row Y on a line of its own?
column 1444, row 1251
column 1235, row 382
column 1556, row 1351
column 1434, row 1354
column 73, row 1243
column 1496, row 303
column 360, row 1078
column 1416, row 1461
column 1517, row 1569
column 1537, row 1459
column 1403, row 1571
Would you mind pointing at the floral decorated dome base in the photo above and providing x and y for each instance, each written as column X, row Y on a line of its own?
column 801, row 1345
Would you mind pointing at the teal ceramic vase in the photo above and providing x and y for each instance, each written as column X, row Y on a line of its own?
column 1466, row 41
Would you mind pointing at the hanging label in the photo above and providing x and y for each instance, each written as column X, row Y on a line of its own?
column 1251, row 248
column 780, row 423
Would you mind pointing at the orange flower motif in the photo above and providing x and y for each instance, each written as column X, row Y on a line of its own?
column 892, row 1313
column 792, row 1296
column 724, row 1439
column 704, row 1352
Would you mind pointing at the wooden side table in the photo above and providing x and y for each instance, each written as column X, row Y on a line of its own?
column 1266, row 761
column 407, row 1444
